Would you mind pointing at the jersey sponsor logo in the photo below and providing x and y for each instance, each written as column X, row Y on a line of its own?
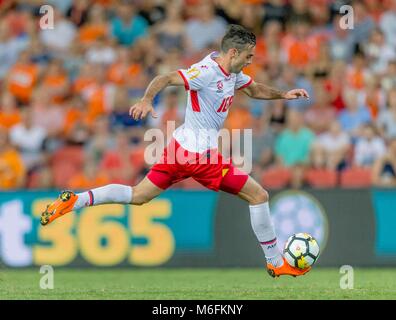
column 220, row 86
column 225, row 104
column 193, row 73
column 204, row 67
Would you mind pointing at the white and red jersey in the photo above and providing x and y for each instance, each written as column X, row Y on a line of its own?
column 210, row 91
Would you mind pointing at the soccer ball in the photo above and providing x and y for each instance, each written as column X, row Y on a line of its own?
column 301, row 250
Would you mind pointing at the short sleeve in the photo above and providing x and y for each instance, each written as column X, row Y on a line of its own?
column 196, row 77
column 242, row 81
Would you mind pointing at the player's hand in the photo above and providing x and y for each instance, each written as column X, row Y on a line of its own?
column 296, row 93
column 140, row 110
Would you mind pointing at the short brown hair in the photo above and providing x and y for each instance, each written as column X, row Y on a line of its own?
column 237, row 37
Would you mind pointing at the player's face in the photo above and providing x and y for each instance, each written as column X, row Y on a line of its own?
column 241, row 59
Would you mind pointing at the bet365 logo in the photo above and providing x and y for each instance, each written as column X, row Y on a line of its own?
column 101, row 235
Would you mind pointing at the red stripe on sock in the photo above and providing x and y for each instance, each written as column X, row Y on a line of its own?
column 90, row 197
column 269, row 242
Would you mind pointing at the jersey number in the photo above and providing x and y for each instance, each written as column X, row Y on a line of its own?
column 225, row 104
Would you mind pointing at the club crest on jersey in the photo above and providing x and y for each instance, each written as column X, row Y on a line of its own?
column 220, row 86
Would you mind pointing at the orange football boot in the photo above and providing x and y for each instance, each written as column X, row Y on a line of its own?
column 59, row 207
column 286, row 269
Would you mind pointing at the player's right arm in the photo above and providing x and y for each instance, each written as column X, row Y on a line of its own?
column 140, row 109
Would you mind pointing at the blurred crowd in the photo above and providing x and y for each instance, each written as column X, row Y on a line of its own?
column 65, row 92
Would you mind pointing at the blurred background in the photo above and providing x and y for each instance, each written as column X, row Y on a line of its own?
column 69, row 89
column 64, row 123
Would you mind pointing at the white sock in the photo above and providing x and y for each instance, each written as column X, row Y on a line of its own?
column 261, row 221
column 111, row 193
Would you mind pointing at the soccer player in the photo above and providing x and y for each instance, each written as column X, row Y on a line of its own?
column 210, row 86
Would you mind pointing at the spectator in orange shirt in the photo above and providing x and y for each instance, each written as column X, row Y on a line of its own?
column 76, row 127
column 357, row 73
column 320, row 67
column 99, row 95
column 22, row 77
column 75, row 111
column 55, row 82
column 17, row 21
column 300, row 47
column 85, row 78
column 123, row 69
column 12, row 170
column 96, row 27
column 9, row 113
column 374, row 97
column 268, row 42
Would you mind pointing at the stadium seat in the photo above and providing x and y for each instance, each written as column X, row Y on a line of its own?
column 321, row 178
column 70, row 154
column 356, row 177
column 33, row 181
column 276, row 178
column 65, row 163
column 62, row 172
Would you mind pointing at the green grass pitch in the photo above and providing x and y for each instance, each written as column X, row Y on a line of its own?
column 209, row 284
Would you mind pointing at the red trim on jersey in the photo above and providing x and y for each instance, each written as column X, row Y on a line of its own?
column 186, row 86
column 221, row 68
column 194, row 101
column 246, row 84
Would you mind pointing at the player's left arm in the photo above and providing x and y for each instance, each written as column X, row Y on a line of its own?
column 261, row 91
